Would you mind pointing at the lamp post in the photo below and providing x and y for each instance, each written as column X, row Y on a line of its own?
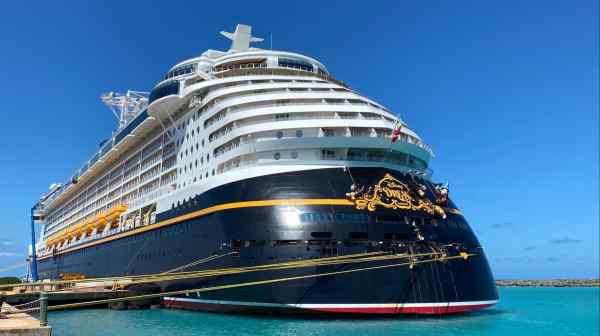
column 34, row 274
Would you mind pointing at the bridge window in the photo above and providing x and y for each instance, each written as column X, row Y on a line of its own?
column 295, row 64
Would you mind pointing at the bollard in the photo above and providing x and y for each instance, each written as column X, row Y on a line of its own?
column 43, row 309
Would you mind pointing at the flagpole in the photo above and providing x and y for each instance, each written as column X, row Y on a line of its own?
column 395, row 135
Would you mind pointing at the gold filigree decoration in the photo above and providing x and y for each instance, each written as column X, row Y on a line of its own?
column 391, row 193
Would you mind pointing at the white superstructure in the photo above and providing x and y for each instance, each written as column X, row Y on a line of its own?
column 215, row 119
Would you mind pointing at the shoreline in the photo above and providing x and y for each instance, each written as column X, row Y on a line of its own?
column 549, row 283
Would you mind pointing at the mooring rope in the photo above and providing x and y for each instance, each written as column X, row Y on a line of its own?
column 252, row 283
column 198, row 262
column 133, row 277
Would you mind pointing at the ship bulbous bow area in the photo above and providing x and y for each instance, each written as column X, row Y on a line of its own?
column 361, row 240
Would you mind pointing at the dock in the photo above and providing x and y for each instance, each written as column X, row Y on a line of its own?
column 68, row 296
column 21, row 324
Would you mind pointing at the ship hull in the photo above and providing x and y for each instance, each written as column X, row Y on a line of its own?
column 299, row 216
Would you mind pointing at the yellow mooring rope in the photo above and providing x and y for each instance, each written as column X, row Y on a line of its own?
column 134, row 277
column 253, row 283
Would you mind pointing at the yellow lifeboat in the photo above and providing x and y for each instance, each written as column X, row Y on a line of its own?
column 114, row 213
column 100, row 222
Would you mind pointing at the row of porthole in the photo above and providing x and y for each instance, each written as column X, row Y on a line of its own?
column 299, row 134
column 293, row 155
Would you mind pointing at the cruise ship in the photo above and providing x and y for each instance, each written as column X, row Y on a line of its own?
column 252, row 157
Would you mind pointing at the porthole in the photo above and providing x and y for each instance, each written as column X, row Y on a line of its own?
column 299, row 133
column 277, row 156
column 279, row 134
column 294, row 155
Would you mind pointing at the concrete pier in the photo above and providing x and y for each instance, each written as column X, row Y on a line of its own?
column 61, row 297
column 21, row 325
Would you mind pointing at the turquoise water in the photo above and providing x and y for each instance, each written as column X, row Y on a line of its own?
column 521, row 311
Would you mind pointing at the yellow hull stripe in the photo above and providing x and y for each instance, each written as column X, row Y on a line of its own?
column 217, row 208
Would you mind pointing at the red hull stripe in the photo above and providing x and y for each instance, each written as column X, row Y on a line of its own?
column 384, row 308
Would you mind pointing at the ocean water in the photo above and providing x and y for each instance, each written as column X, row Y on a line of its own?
column 521, row 311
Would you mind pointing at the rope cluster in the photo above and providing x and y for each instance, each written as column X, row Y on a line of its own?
column 27, row 307
column 409, row 260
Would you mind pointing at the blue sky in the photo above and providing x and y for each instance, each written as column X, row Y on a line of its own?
column 506, row 93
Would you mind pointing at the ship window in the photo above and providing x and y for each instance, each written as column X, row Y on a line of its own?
column 276, row 156
column 282, row 116
column 295, row 64
column 279, row 134
column 328, row 132
column 294, row 155
column 327, row 153
column 213, row 172
column 299, row 133
column 321, row 234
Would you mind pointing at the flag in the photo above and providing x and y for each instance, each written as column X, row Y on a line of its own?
column 396, row 131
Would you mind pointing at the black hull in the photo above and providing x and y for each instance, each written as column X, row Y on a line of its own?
column 265, row 234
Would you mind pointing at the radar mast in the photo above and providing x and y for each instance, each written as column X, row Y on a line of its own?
column 125, row 106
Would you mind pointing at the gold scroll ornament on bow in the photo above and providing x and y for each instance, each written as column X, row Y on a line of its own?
column 389, row 192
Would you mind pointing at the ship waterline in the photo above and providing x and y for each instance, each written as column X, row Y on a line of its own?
column 261, row 157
